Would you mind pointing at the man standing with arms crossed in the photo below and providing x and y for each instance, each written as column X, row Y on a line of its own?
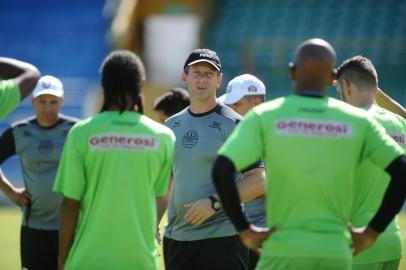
column 113, row 168
column 242, row 94
column 312, row 146
column 19, row 80
column 199, row 235
column 357, row 84
column 38, row 142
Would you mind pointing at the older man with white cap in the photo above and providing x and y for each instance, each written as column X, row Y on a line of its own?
column 244, row 92
column 38, row 142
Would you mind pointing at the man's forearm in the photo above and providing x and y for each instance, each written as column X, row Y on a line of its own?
column 67, row 225
column 5, row 185
column 252, row 185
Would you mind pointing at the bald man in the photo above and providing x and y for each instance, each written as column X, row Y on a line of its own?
column 312, row 146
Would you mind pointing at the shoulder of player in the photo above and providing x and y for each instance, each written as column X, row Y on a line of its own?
column 171, row 120
column 155, row 127
column 69, row 120
column 227, row 113
column 23, row 122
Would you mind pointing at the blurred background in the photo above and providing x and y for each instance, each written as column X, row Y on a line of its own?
column 70, row 38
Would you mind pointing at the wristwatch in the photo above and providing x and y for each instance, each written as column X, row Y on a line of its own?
column 215, row 203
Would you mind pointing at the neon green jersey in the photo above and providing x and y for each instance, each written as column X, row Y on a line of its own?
column 369, row 189
column 9, row 97
column 115, row 165
column 311, row 149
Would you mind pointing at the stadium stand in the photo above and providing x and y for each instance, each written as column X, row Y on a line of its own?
column 259, row 36
column 62, row 38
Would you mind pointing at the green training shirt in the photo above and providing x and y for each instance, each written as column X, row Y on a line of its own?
column 115, row 165
column 311, row 148
column 369, row 189
column 9, row 97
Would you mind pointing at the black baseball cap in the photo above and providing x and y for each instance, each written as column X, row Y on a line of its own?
column 203, row 55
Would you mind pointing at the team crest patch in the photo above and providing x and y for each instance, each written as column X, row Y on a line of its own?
column 124, row 142
column 45, row 146
column 313, row 128
column 190, row 138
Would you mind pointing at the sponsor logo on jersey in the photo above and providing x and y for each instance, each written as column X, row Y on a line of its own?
column 313, row 128
column 216, row 124
column 45, row 146
column 27, row 133
column 127, row 142
column 176, row 124
column 190, row 138
column 399, row 138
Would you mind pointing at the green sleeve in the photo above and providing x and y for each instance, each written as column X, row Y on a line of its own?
column 161, row 184
column 245, row 144
column 9, row 97
column 70, row 179
column 379, row 147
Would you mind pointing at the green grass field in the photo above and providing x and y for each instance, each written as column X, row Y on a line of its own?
column 9, row 239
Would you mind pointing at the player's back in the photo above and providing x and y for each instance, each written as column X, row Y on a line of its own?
column 125, row 158
column 312, row 149
column 371, row 183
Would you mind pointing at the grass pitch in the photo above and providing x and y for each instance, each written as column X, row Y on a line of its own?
column 10, row 231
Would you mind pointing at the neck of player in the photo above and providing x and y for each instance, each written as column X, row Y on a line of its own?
column 198, row 107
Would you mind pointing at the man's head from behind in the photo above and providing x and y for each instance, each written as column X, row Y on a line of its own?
column 313, row 66
column 357, row 81
column 47, row 100
column 244, row 92
column 122, row 76
column 170, row 103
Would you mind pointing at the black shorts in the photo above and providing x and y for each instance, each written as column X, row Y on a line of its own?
column 38, row 249
column 220, row 253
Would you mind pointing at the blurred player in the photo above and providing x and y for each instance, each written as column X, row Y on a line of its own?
column 38, row 142
column 19, row 80
column 243, row 93
column 312, row 146
column 171, row 102
column 114, row 165
column 199, row 235
column 357, row 84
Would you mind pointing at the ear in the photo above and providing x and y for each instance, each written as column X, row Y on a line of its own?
column 183, row 76
column 32, row 100
column 292, row 71
column 219, row 80
column 333, row 77
column 348, row 87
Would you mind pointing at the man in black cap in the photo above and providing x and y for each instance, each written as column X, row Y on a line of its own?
column 199, row 234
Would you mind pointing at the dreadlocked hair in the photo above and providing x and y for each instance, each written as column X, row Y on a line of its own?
column 121, row 75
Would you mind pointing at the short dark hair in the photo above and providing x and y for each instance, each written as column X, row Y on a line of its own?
column 172, row 101
column 360, row 71
column 122, row 73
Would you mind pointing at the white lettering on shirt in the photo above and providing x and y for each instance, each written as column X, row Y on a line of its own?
column 313, row 128
column 129, row 142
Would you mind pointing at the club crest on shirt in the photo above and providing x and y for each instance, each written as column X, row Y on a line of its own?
column 190, row 138
column 45, row 146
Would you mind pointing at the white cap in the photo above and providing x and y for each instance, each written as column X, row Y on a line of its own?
column 48, row 85
column 240, row 86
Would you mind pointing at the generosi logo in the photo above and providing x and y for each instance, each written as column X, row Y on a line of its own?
column 313, row 128
column 399, row 138
column 128, row 142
